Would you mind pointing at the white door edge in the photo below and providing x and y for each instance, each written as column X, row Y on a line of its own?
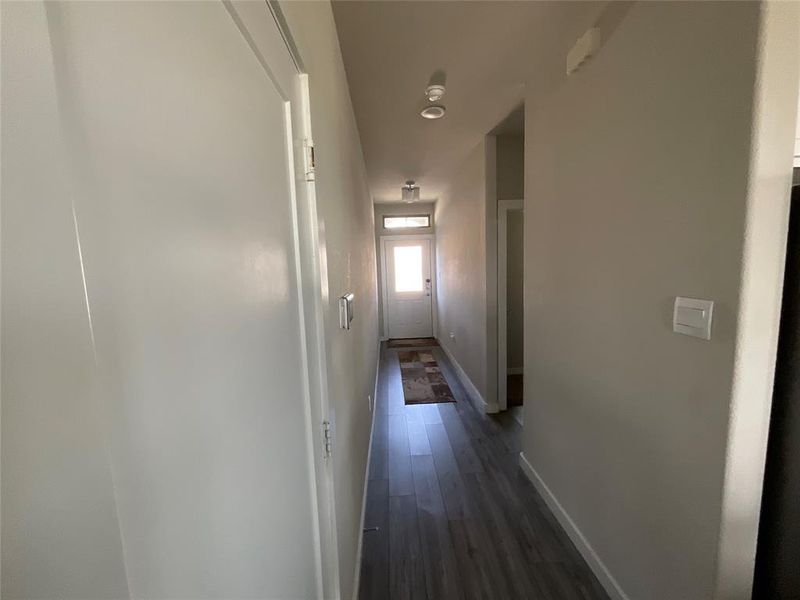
column 266, row 31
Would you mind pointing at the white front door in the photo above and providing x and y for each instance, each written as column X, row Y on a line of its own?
column 408, row 288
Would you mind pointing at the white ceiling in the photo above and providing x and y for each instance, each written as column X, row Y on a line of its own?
column 486, row 50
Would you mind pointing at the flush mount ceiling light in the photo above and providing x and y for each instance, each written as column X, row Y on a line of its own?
column 433, row 112
column 410, row 191
column 434, row 92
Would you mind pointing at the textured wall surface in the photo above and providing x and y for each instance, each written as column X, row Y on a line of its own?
column 347, row 227
column 461, row 266
column 628, row 422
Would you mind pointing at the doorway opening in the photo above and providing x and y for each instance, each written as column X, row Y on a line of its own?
column 510, row 305
column 505, row 167
column 778, row 550
column 408, row 286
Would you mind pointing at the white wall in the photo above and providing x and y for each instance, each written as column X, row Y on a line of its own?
column 186, row 246
column 171, row 461
column 637, row 172
column 510, row 167
column 60, row 535
column 510, row 175
column 797, row 143
column 461, row 266
column 466, row 256
column 385, row 209
column 493, row 171
column 347, row 230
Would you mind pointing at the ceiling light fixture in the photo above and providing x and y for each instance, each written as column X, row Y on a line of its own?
column 410, row 191
column 435, row 111
column 434, row 92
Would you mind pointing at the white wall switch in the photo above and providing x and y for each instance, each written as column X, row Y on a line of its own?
column 693, row 317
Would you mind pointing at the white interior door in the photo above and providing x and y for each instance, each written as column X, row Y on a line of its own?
column 409, row 288
column 177, row 122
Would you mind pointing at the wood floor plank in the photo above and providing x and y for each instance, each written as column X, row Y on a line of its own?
column 441, row 570
column 521, row 501
column 481, row 576
column 379, row 455
column 418, row 438
column 478, row 425
column 375, row 552
column 559, row 584
column 406, row 572
column 430, row 414
column 491, row 424
column 454, row 494
column 401, row 481
column 460, row 441
column 460, row 518
column 513, row 560
column 414, row 413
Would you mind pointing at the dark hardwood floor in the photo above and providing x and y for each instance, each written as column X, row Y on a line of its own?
column 455, row 516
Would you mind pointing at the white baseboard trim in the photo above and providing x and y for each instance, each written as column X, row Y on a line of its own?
column 359, row 548
column 600, row 570
column 474, row 395
column 514, row 371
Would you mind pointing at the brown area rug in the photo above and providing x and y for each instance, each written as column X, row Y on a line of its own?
column 423, row 381
column 412, row 343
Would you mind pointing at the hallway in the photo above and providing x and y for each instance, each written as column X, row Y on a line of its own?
column 214, row 214
column 455, row 516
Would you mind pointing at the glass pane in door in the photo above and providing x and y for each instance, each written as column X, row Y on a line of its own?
column 408, row 269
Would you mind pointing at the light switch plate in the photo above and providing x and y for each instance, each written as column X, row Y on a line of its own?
column 692, row 316
column 346, row 310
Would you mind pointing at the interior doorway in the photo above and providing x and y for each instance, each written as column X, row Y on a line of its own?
column 408, row 286
column 510, row 305
column 776, row 573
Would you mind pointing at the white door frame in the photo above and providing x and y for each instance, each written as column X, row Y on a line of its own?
column 384, row 289
column 503, row 208
column 256, row 20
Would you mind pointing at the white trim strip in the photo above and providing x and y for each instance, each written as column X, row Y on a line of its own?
column 474, row 395
column 360, row 546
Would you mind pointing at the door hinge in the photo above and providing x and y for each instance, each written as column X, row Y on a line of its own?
column 308, row 159
column 327, row 438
